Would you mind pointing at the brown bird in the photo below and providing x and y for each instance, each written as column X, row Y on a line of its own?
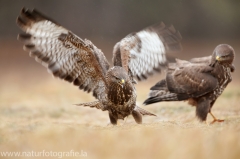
column 200, row 81
column 80, row 62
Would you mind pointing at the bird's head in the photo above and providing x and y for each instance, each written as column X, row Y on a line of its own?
column 117, row 75
column 224, row 54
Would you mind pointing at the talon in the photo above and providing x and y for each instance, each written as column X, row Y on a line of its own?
column 216, row 120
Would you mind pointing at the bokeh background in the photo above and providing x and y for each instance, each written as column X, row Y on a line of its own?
column 202, row 24
column 36, row 111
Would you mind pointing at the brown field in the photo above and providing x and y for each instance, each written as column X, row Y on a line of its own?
column 37, row 114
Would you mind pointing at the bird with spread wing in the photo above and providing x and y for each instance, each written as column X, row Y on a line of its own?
column 200, row 81
column 80, row 62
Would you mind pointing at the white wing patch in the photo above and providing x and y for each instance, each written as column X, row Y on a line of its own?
column 151, row 42
column 151, row 55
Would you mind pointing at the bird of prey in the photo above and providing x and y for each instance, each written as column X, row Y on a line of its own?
column 80, row 62
column 200, row 81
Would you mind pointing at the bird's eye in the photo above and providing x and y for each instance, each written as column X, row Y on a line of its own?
column 116, row 78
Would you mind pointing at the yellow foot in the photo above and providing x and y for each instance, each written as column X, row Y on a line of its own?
column 216, row 120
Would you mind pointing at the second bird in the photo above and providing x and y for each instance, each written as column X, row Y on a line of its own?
column 200, row 81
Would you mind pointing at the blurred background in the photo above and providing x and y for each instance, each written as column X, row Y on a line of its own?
column 36, row 110
column 203, row 24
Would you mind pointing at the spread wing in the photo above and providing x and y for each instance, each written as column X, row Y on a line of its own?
column 144, row 52
column 192, row 81
column 66, row 55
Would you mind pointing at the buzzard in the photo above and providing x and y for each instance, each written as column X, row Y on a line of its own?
column 200, row 81
column 80, row 62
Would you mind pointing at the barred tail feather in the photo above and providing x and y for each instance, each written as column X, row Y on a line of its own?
column 161, row 96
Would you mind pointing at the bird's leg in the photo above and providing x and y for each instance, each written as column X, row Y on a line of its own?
column 202, row 109
column 113, row 118
column 215, row 119
column 137, row 116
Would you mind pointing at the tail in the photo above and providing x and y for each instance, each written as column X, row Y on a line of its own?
column 159, row 96
column 144, row 112
column 159, row 92
column 95, row 104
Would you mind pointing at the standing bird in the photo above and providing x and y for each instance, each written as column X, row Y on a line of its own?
column 80, row 62
column 200, row 81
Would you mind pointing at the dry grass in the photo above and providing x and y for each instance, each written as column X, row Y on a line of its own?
column 37, row 114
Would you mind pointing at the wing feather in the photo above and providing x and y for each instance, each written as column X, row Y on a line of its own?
column 66, row 55
column 146, row 51
column 206, row 60
column 193, row 81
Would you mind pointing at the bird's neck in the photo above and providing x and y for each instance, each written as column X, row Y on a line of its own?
column 222, row 70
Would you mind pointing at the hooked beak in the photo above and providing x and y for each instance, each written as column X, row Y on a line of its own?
column 122, row 82
column 218, row 58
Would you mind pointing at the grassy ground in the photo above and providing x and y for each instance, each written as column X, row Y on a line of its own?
column 36, row 114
